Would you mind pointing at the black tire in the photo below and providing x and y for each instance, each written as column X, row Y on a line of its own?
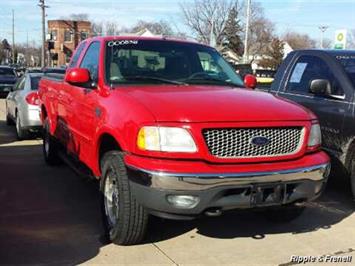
column 284, row 214
column 9, row 121
column 50, row 146
column 20, row 131
column 352, row 172
column 125, row 220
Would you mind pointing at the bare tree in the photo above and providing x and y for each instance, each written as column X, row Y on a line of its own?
column 299, row 41
column 161, row 27
column 97, row 28
column 111, row 28
column 204, row 16
column 77, row 17
column 261, row 29
column 273, row 55
column 327, row 43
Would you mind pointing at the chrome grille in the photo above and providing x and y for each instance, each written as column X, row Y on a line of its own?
column 237, row 142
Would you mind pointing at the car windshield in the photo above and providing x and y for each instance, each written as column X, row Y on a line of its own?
column 35, row 82
column 166, row 62
column 7, row 72
column 348, row 62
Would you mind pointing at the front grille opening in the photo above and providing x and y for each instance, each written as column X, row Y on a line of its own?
column 238, row 142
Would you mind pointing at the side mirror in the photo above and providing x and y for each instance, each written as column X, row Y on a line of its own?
column 320, row 87
column 250, row 81
column 78, row 76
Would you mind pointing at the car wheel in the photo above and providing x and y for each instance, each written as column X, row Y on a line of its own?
column 352, row 173
column 284, row 214
column 9, row 121
column 50, row 146
column 20, row 131
column 125, row 219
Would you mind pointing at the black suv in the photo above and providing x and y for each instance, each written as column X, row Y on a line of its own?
column 324, row 82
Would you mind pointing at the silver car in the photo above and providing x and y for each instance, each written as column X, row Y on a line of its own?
column 22, row 107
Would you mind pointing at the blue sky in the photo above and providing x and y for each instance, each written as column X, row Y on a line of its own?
column 303, row 16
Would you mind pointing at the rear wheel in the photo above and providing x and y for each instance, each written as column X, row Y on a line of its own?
column 125, row 218
column 50, row 146
column 20, row 131
column 284, row 214
column 9, row 121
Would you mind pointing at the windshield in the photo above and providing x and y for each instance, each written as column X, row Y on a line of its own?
column 169, row 62
column 348, row 62
column 7, row 72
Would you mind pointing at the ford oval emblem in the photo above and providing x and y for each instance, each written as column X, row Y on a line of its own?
column 260, row 141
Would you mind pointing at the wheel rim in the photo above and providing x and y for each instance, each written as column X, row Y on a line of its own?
column 111, row 199
column 18, row 124
column 46, row 143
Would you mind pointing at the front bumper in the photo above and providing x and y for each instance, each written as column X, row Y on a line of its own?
column 227, row 190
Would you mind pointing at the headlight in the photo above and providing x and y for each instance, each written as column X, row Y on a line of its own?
column 315, row 136
column 168, row 139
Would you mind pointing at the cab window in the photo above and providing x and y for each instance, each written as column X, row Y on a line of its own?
column 308, row 68
column 91, row 60
column 77, row 54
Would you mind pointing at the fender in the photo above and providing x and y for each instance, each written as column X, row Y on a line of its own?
column 95, row 164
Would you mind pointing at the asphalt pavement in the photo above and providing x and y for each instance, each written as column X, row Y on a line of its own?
column 50, row 216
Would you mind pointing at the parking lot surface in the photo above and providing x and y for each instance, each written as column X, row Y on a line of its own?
column 51, row 216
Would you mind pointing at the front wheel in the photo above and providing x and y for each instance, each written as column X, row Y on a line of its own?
column 352, row 173
column 125, row 218
column 284, row 214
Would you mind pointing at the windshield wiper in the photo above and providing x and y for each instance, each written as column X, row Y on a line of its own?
column 169, row 81
column 207, row 79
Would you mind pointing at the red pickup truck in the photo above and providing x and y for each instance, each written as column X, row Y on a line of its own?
column 170, row 130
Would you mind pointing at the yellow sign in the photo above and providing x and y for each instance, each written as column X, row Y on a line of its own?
column 340, row 39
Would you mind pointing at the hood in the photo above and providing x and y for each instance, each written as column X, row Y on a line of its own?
column 7, row 80
column 215, row 104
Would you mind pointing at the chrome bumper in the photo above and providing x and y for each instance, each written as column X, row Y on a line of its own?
column 198, row 182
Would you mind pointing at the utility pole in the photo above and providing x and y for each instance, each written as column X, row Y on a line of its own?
column 13, row 37
column 246, row 55
column 27, row 55
column 43, row 7
column 322, row 28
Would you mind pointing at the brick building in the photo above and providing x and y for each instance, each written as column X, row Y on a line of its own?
column 63, row 37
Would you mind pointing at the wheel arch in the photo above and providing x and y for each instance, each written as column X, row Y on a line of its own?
column 106, row 141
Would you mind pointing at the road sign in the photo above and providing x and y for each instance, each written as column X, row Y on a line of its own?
column 340, row 39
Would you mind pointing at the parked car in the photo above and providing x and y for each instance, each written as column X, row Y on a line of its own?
column 324, row 82
column 22, row 105
column 264, row 78
column 170, row 130
column 8, row 78
column 53, row 70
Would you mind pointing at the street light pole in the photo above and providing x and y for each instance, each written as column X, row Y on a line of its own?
column 13, row 37
column 322, row 28
column 43, row 7
column 246, row 54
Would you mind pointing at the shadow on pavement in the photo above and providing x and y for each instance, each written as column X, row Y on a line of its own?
column 7, row 133
column 51, row 216
column 48, row 215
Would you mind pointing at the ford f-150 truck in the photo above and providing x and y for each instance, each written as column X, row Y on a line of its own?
column 170, row 130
